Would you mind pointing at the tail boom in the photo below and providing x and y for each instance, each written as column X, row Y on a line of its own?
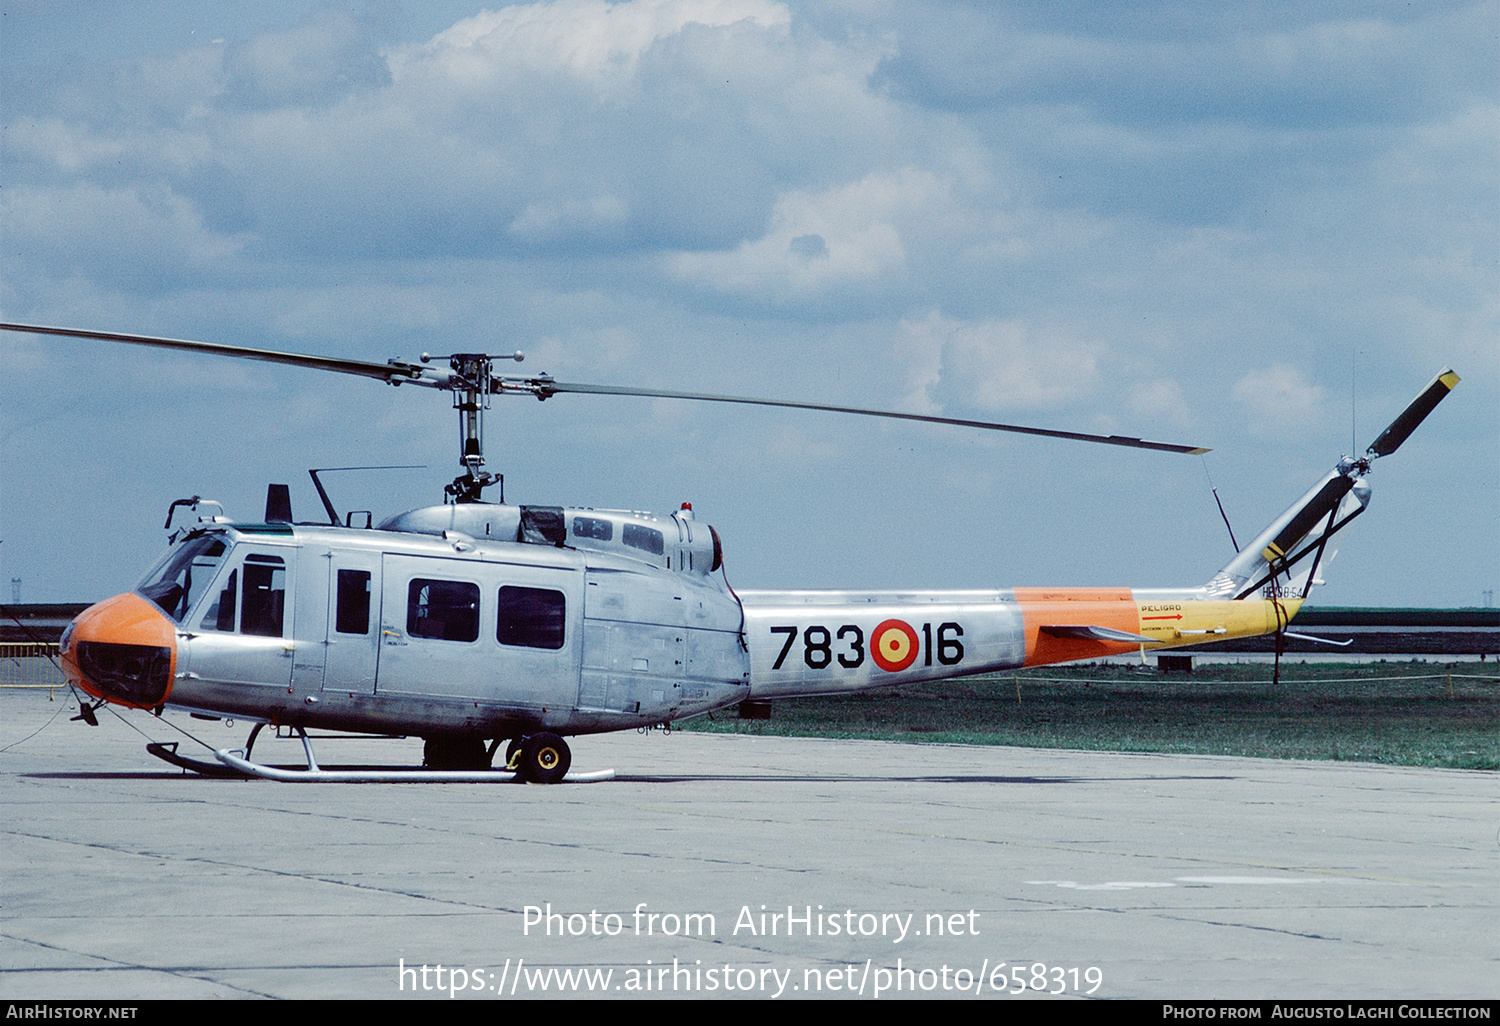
column 814, row 643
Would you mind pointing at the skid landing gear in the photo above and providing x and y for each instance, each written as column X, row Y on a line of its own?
column 542, row 758
column 168, row 753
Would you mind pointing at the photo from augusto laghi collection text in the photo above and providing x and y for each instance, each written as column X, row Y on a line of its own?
column 987, row 973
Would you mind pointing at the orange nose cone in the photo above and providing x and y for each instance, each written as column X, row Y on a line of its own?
column 124, row 650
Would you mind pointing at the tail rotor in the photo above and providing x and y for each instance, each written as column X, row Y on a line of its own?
column 1305, row 529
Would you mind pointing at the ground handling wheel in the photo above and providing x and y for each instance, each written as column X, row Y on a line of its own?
column 545, row 758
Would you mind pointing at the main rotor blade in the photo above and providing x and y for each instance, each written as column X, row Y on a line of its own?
column 405, row 373
column 1416, row 411
column 395, row 373
column 550, row 387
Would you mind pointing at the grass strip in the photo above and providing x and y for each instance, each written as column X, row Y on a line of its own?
column 1400, row 713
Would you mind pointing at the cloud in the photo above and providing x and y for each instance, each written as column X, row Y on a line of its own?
column 993, row 365
column 1162, row 401
column 1192, row 116
column 1278, row 401
column 570, row 218
column 538, row 128
column 849, row 236
column 1323, row 64
column 310, row 63
column 588, row 40
column 135, row 232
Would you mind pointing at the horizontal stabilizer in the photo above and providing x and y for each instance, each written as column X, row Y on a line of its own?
column 1090, row 632
column 1314, row 637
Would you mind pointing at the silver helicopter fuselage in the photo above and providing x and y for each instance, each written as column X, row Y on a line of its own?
column 495, row 621
column 482, row 620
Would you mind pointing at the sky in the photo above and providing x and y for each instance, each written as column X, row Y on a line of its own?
column 1260, row 228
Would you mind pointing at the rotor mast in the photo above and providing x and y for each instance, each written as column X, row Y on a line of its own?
column 471, row 385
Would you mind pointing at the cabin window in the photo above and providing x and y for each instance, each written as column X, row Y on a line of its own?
column 448, row 610
column 187, row 572
column 263, row 602
column 542, row 525
column 532, row 617
column 220, row 614
column 648, row 539
column 352, row 615
column 593, row 527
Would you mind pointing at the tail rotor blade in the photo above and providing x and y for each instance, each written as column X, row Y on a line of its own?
column 1416, row 411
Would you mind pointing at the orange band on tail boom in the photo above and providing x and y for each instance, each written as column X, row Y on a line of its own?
column 1100, row 607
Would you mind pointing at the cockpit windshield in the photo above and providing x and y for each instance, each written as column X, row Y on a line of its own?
column 186, row 572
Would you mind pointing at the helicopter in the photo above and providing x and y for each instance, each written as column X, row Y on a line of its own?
column 473, row 624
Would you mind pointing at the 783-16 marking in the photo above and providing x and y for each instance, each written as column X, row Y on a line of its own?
column 894, row 645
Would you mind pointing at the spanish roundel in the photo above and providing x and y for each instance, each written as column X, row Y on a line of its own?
column 894, row 645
